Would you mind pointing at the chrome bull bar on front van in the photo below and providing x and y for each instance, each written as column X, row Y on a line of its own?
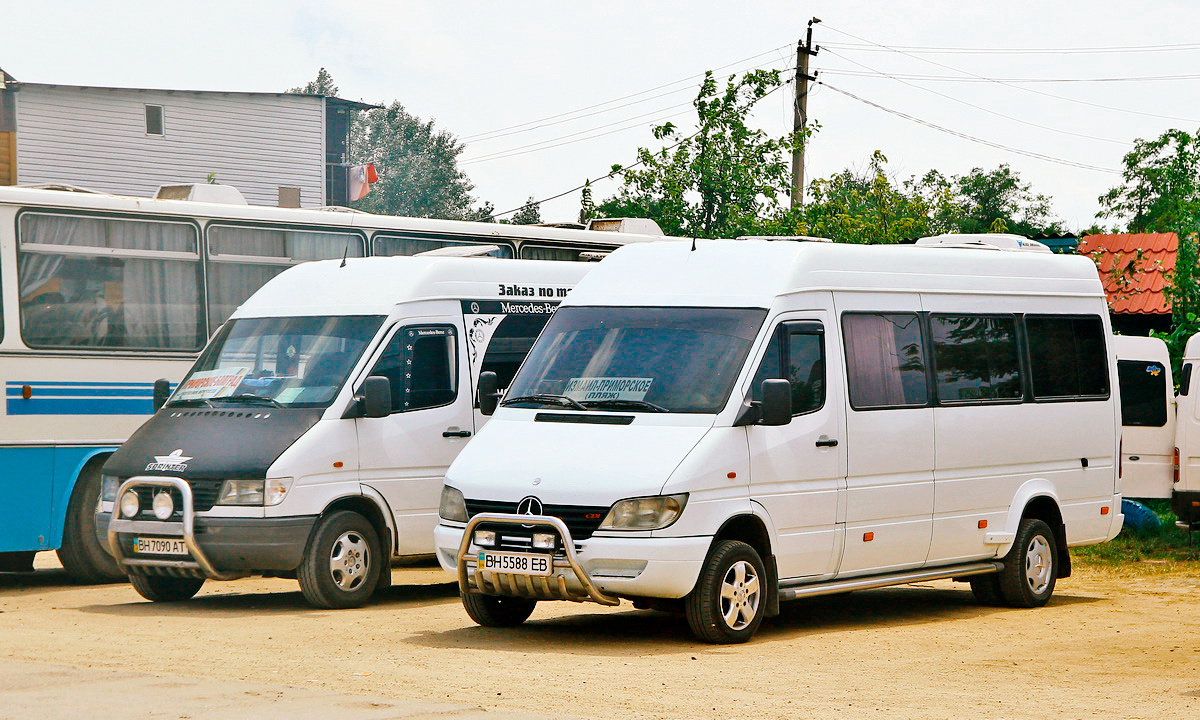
column 538, row 587
column 185, row 529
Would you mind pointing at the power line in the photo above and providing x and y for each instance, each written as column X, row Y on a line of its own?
column 1007, row 84
column 925, row 50
column 948, row 78
column 978, row 107
column 972, row 138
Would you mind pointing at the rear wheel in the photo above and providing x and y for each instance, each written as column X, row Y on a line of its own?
column 728, row 602
column 1031, row 566
column 82, row 555
column 342, row 562
column 161, row 588
column 497, row 610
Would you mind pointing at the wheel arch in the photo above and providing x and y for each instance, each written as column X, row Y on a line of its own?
column 90, row 462
column 1045, row 508
column 754, row 529
column 371, row 508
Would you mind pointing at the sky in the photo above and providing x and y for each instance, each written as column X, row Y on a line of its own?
column 545, row 95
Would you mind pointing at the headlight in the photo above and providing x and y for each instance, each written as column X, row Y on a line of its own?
column 644, row 513
column 108, row 487
column 163, row 505
column 277, row 489
column 129, row 504
column 241, row 492
column 453, row 506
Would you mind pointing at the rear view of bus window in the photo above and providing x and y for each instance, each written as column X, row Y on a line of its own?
column 1143, row 393
column 885, row 360
column 975, row 358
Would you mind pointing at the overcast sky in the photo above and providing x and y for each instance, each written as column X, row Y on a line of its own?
column 547, row 94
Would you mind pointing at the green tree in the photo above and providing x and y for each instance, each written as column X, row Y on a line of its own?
column 1161, row 188
column 721, row 181
column 995, row 199
column 529, row 214
column 323, row 85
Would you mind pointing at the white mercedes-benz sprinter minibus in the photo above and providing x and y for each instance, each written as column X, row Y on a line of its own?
column 310, row 438
column 718, row 427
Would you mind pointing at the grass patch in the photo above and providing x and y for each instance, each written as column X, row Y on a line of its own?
column 1168, row 547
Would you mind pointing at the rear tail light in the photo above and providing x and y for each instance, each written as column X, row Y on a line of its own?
column 1175, row 468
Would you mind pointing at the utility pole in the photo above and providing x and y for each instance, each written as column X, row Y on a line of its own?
column 804, row 49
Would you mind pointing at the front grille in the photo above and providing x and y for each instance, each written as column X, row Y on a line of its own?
column 581, row 520
column 204, row 495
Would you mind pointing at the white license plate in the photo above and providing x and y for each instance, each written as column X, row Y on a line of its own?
column 515, row 563
column 160, row 546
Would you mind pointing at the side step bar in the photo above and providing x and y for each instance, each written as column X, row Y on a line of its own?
column 879, row 581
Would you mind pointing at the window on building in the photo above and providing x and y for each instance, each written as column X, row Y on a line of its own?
column 108, row 282
column 154, row 120
column 885, row 360
column 975, row 358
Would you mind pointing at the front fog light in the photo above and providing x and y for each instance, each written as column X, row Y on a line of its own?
column 485, row 538
column 130, row 504
column 453, row 506
column 544, row 541
column 241, row 492
column 164, row 506
column 644, row 513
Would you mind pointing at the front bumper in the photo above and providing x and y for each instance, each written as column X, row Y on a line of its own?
column 218, row 548
column 599, row 569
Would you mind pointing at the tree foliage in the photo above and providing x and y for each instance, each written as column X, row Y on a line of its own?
column 1161, row 188
column 720, row 181
column 322, row 85
column 529, row 214
column 988, row 198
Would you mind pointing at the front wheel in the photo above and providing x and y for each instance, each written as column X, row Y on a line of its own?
column 81, row 554
column 1031, row 566
column 729, row 600
column 342, row 562
column 161, row 588
column 496, row 610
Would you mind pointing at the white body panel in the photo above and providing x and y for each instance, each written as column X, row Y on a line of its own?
column 1147, row 448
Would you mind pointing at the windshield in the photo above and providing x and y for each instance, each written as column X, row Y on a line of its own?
column 644, row 359
column 278, row 361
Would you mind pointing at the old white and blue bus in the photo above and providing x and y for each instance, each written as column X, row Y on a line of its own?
column 101, row 295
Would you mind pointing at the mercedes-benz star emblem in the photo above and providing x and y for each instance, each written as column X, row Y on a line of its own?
column 529, row 506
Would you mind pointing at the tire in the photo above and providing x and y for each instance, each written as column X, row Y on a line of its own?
column 1139, row 519
column 342, row 562
column 497, row 610
column 161, row 588
column 1031, row 566
column 729, row 600
column 987, row 590
column 81, row 554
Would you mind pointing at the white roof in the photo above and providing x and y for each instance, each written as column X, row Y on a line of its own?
column 375, row 285
column 752, row 273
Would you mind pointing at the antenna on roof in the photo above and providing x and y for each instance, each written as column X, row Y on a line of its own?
column 345, row 252
column 693, row 243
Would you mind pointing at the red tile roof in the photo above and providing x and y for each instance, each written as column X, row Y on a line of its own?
column 1143, row 259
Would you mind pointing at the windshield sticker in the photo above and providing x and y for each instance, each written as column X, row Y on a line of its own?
column 288, row 395
column 607, row 388
column 211, row 384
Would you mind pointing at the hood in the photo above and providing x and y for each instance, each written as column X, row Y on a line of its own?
column 207, row 443
column 573, row 463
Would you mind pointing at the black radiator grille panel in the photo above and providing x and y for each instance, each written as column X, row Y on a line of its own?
column 581, row 520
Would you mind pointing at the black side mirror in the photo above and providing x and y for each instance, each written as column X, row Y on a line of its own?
column 776, row 408
column 375, row 397
column 162, row 391
column 488, row 392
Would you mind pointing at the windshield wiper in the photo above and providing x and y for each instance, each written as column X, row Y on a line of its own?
column 251, row 399
column 619, row 404
column 546, row 399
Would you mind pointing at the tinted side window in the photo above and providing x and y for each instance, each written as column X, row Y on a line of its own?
column 797, row 355
column 1067, row 357
column 510, row 344
column 975, row 357
column 885, row 360
column 421, row 363
column 1143, row 393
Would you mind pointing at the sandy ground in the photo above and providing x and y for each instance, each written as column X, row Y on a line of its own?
column 1109, row 645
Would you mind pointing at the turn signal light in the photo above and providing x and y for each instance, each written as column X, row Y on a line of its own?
column 1104, row 510
column 868, row 537
column 982, row 524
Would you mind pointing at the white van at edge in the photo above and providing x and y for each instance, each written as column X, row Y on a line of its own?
column 1147, row 417
column 717, row 427
column 310, row 438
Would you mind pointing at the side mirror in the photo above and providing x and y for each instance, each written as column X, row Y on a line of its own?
column 162, row 391
column 488, row 392
column 776, row 406
column 375, row 397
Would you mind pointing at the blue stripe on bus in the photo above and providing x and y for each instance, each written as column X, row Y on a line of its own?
column 84, row 392
column 80, row 406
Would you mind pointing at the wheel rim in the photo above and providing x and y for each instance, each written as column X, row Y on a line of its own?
column 740, row 591
column 349, row 561
column 1039, row 562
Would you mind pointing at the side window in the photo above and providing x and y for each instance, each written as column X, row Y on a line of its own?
column 885, row 360
column 975, row 358
column 1067, row 357
column 422, row 364
column 384, row 244
column 796, row 353
column 510, row 344
column 1143, row 393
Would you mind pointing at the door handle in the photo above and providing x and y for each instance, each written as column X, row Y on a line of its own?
column 826, row 442
column 456, row 433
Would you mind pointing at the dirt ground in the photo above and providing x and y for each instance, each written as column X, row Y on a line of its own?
column 1109, row 645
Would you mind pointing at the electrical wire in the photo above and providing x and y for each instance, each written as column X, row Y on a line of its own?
column 925, row 50
column 948, row 78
